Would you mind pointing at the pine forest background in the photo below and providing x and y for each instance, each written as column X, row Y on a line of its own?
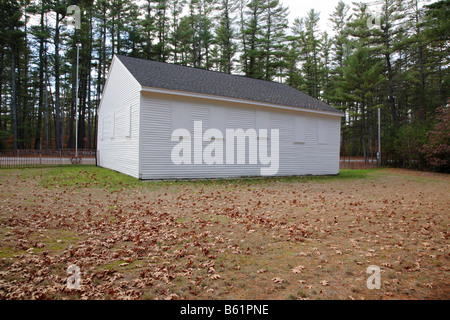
column 400, row 65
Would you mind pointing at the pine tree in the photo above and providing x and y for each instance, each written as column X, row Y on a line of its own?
column 275, row 39
column 42, row 34
column 437, row 38
column 253, row 39
column 206, row 33
column 387, row 44
column 162, row 30
column 310, row 52
column 225, row 36
column 362, row 77
column 12, row 37
column 176, row 8
column 147, row 28
column 296, row 55
column 325, row 68
column 186, row 35
column 339, row 18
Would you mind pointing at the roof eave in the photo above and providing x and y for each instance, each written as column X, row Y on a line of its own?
column 235, row 100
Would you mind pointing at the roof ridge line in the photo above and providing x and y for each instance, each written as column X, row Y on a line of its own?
column 207, row 70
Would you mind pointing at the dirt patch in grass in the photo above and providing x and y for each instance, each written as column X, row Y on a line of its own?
column 278, row 238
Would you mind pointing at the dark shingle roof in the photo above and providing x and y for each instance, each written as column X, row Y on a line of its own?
column 175, row 77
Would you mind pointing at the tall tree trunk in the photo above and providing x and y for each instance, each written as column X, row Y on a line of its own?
column 37, row 141
column 71, row 141
column 89, row 81
column 24, row 97
column 1, row 90
column 200, row 31
column 363, row 130
column 119, row 44
column 63, row 113
column 57, row 86
column 89, row 113
column 47, row 111
column 148, row 48
column 228, row 44
column 391, row 90
column 243, row 37
column 19, row 111
column 14, row 97
column 113, row 45
column 268, row 40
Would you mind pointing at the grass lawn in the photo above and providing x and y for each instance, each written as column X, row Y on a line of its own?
column 259, row 238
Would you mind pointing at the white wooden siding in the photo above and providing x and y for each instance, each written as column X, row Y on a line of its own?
column 119, row 114
column 302, row 151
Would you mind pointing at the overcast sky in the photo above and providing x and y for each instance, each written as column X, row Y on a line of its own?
column 299, row 8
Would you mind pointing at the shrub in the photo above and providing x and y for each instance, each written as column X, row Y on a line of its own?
column 437, row 148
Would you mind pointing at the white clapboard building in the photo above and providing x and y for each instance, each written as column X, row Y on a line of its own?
column 165, row 121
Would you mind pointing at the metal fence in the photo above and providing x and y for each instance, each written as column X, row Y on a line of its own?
column 43, row 158
column 357, row 163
